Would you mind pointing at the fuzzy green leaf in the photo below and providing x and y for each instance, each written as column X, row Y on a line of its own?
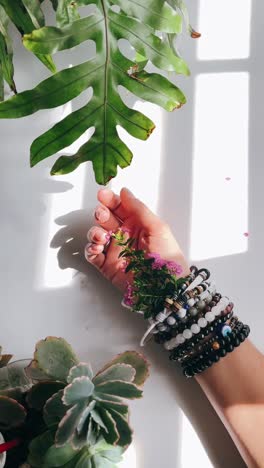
column 12, row 414
column 54, row 410
column 119, row 388
column 80, row 389
column 38, row 448
column 97, row 418
column 120, row 371
column 68, row 424
column 82, row 369
column 85, row 415
column 41, row 392
column 59, row 456
column 111, row 434
column 123, row 428
column 55, row 357
column 5, row 359
column 137, row 361
column 137, row 23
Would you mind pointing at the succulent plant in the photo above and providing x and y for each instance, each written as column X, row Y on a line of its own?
column 82, row 420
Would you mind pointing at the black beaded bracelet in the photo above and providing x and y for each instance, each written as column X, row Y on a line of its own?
column 190, row 344
column 206, row 360
column 215, row 342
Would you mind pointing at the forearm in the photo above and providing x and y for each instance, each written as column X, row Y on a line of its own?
column 235, row 388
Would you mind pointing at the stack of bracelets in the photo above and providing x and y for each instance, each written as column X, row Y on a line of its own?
column 197, row 324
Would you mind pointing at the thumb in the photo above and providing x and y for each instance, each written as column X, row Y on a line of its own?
column 134, row 207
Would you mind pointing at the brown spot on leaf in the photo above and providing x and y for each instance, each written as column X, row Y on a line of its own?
column 195, row 34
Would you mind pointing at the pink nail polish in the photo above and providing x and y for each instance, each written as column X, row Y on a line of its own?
column 101, row 214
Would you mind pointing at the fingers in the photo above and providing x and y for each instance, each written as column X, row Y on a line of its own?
column 112, row 201
column 95, row 260
column 106, row 218
column 97, row 235
column 144, row 216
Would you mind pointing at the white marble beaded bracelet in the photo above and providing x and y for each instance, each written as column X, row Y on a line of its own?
column 157, row 324
column 196, row 327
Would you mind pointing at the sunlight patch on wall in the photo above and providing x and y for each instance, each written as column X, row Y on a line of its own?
column 143, row 176
column 225, row 29
column 192, row 450
column 220, row 166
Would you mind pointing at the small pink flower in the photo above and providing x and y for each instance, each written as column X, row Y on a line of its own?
column 108, row 235
column 129, row 295
column 174, row 268
column 158, row 261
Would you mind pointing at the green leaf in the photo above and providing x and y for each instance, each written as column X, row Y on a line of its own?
column 5, row 359
column 82, row 369
column 19, row 15
column 123, row 372
column 34, row 372
column 49, row 40
column 80, row 389
column 12, row 414
column 85, row 415
column 137, row 361
column 38, row 448
column 54, row 410
column 41, row 392
column 120, row 388
column 97, row 418
column 1, row 83
column 155, row 12
column 66, row 12
column 181, row 6
column 59, row 456
column 6, row 52
column 85, row 461
column 68, row 424
column 137, row 23
column 55, row 357
column 34, row 10
column 111, row 435
column 123, row 428
column 100, row 462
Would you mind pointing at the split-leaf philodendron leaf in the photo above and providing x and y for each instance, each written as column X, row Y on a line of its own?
column 150, row 27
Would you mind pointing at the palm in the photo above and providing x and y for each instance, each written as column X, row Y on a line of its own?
column 149, row 232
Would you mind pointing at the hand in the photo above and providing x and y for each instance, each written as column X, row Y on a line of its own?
column 150, row 233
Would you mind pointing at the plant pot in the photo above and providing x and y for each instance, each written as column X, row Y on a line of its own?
column 2, row 455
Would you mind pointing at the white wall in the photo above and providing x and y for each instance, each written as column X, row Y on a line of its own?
column 48, row 289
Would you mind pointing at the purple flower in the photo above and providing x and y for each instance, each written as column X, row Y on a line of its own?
column 129, row 295
column 158, row 261
column 174, row 268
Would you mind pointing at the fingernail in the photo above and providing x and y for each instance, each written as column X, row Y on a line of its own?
column 101, row 214
column 88, row 248
column 129, row 192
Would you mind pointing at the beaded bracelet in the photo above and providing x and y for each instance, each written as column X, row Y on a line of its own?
column 196, row 324
column 206, row 360
column 211, row 341
column 187, row 347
